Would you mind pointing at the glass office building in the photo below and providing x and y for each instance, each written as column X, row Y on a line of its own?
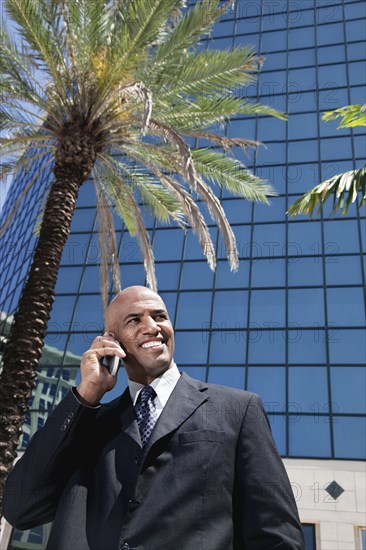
column 290, row 324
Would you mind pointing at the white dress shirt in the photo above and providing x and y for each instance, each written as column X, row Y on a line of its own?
column 163, row 385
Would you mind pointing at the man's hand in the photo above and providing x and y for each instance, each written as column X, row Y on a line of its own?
column 95, row 378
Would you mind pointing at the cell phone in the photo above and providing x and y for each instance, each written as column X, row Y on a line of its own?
column 112, row 363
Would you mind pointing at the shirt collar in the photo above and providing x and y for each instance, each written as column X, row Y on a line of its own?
column 163, row 385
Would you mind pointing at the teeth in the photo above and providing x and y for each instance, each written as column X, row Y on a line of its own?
column 151, row 344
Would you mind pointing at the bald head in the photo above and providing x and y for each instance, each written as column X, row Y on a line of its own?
column 135, row 292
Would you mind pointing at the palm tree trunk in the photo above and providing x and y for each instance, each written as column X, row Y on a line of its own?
column 24, row 348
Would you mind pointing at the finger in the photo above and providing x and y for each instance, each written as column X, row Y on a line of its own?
column 109, row 350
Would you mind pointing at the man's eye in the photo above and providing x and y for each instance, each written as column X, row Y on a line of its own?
column 161, row 317
column 133, row 321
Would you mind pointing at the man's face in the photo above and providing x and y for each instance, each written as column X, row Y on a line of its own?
column 138, row 319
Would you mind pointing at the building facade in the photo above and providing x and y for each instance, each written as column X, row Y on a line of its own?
column 290, row 324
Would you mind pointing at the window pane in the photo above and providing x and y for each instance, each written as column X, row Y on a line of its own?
column 309, row 534
column 229, row 279
column 191, row 347
column 267, row 308
column 309, row 436
column 196, row 275
column 347, row 346
column 349, row 437
column 68, row 279
column 194, row 310
column 306, row 346
column 343, row 270
column 270, row 384
column 269, row 273
column 168, row 244
column 228, row 347
column 305, row 271
column 308, row 389
column 266, row 346
column 230, row 309
column 345, row 306
column 348, row 389
column 227, row 376
column 306, row 307
column 88, row 314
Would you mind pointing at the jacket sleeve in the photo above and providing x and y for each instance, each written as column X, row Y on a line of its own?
column 54, row 453
column 269, row 516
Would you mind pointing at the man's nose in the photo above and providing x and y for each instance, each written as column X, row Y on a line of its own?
column 150, row 326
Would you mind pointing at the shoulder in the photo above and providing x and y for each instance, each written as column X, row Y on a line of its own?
column 223, row 393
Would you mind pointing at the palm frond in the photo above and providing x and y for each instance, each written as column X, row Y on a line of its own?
column 107, row 242
column 211, row 72
column 127, row 207
column 157, row 198
column 351, row 115
column 345, row 189
column 232, row 175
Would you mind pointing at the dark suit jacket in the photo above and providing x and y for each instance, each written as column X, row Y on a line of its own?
column 210, row 477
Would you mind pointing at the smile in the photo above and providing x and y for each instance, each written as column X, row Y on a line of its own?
column 152, row 344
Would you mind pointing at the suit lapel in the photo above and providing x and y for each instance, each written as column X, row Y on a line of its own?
column 186, row 397
column 128, row 418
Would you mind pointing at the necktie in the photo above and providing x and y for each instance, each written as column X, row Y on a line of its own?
column 146, row 413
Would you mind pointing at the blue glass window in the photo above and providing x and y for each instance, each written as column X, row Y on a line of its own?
column 306, row 307
column 302, row 126
column 274, row 61
column 304, row 271
column 68, row 279
column 266, row 347
column 168, row 244
column 83, row 220
column 333, row 98
column 196, row 275
column 302, row 151
column 304, row 238
column 348, row 389
column 273, row 41
column 268, row 240
column 86, row 195
column 194, row 310
column 91, row 279
column 78, row 344
column 278, row 428
column 328, row 13
column 129, row 250
column 229, row 279
column 357, row 73
column 301, row 58
column 356, row 30
column 196, row 372
column 271, row 128
column 242, row 237
column 306, row 346
column 134, row 274
column 61, row 312
column 337, row 236
column 88, row 314
column 167, row 275
column 230, row 309
column 331, row 54
column 309, row 435
column 299, row 17
column 238, row 210
column 308, row 389
column 270, row 384
column 242, row 127
column 193, row 250
column 347, row 346
column 355, row 51
column 273, row 212
column 330, row 34
column 272, row 22
column 349, row 437
column 170, row 300
column 267, row 308
column 191, row 347
column 227, row 376
column 344, row 306
column 228, row 347
column 300, row 80
column 343, row 270
column 336, row 148
column 268, row 273
column 275, row 153
column 76, row 250
column 301, row 38
column 309, row 534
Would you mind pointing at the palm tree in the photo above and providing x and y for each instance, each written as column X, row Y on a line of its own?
column 344, row 188
column 111, row 90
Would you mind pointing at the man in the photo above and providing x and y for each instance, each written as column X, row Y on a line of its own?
column 202, row 473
